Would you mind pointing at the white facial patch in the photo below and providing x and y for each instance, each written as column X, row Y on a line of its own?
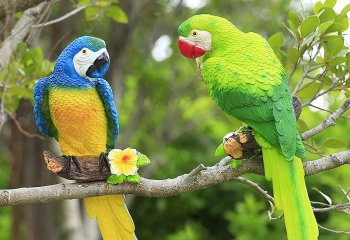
column 85, row 58
column 200, row 39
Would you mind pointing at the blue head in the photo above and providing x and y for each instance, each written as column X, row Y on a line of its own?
column 85, row 57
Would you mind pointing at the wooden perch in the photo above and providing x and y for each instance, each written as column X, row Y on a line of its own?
column 89, row 168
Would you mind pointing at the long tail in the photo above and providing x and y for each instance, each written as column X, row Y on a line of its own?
column 290, row 194
column 113, row 217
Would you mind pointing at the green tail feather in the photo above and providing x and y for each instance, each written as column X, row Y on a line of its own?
column 290, row 194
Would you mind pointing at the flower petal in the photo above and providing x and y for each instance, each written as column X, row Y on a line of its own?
column 113, row 153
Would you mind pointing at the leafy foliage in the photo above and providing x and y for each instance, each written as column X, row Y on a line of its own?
column 103, row 8
column 318, row 60
column 19, row 78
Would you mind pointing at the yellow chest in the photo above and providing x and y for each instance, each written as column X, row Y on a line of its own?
column 80, row 120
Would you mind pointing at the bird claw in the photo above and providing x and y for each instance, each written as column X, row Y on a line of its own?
column 103, row 161
column 75, row 161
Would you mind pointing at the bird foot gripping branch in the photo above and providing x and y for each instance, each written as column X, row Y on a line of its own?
column 241, row 144
column 122, row 166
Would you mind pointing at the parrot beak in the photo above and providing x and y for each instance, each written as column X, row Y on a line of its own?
column 190, row 50
column 100, row 66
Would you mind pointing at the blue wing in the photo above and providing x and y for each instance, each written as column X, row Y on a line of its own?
column 106, row 95
column 41, row 108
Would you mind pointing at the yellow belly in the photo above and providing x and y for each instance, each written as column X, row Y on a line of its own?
column 80, row 120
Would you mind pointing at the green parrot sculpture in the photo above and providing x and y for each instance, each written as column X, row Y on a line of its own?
column 247, row 80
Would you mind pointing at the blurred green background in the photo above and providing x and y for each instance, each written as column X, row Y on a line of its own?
column 166, row 113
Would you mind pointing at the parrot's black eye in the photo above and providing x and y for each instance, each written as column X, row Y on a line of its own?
column 84, row 51
column 194, row 33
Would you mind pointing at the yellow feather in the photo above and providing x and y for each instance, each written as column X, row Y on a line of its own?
column 80, row 120
column 112, row 216
column 291, row 195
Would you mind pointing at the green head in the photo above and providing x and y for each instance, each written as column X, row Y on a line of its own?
column 204, row 33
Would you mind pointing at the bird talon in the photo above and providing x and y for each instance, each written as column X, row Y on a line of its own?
column 75, row 161
column 103, row 161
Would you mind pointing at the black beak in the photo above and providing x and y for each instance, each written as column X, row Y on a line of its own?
column 98, row 64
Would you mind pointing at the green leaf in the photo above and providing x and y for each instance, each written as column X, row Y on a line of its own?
column 91, row 13
column 337, row 61
column 348, row 61
column 102, row 3
column 302, row 125
column 329, row 200
column 345, row 193
column 341, row 23
column 309, row 25
column 293, row 55
column 83, row 2
column 290, row 27
column 142, row 160
column 324, row 26
column 327, row 14
column 334, row 143
column 294, row 19
column 332, row 45
column 345, row 10
column 114, row 179
column 276, row 41
column 235, row 163
column 330, row 3
column 134, row 178
column 117, row 14
column 220, row 151
column 317, row 7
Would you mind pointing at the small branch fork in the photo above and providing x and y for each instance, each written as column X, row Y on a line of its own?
column 328, row 122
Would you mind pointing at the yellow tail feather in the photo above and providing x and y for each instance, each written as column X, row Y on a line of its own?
column 290, row 194
column 113, row 217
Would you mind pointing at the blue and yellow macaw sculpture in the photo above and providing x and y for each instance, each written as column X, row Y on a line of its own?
column 75, row 106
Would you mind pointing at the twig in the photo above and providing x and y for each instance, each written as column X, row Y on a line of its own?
column 257, row 188
column 333, row 231
column 64, row 17
column 20, row 128
column 315, row 150
column 328, row 122
column 339, row 207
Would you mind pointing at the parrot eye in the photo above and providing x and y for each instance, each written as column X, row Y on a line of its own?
column 84, row 51
column 194, row 33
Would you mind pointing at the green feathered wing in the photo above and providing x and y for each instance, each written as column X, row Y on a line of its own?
column 258, row 95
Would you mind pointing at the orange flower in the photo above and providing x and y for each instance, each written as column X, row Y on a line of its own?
column 123, row 161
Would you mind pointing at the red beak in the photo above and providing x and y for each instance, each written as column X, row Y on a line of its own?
column 189, row 50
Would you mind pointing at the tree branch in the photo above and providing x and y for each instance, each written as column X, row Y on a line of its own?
column 64, row 17
column 18, row 33
column 20, row 5
column 194, row 181
column 328, row 122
